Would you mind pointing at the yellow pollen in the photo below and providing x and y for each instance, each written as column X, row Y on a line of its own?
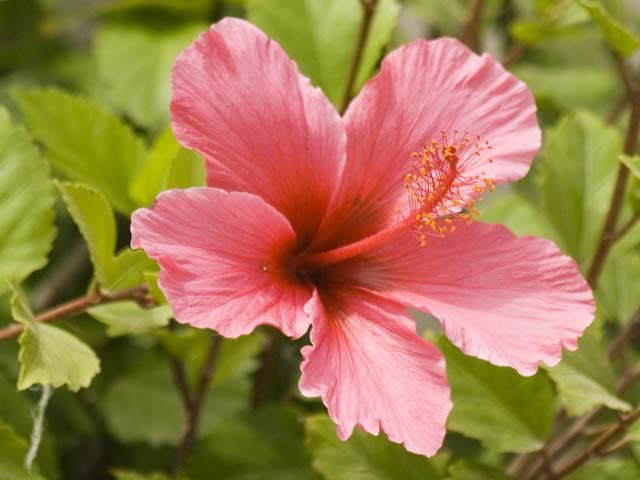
column 443, row 185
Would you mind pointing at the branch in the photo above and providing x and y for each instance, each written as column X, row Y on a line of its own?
column 554, row 448
column 600, row 442
column 609, row 236
column 139, row 294
column 513, row 54
column 368, row 10
column 195, row 403
column 470, row 35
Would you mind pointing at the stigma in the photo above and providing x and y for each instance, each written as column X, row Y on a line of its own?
column 442, row 184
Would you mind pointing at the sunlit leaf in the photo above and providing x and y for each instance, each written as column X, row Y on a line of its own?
column 519, row 410
column 85, row 141
column 577, row 171
column 26, row 200
column 619, row 38
column 363, row 456
column 321, row 37
column 50, row 355
column 168, row 165
column 94, row 217
column 127, row 318
column 136, row 62
column 586, row 378
column 569, row 86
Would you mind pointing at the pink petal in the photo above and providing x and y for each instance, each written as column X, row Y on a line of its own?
column 223, row 260
column 423, row 89
column 512, row 301
column 372, row 370
column 263, row 129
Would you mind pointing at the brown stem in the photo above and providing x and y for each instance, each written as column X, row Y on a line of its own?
column 513, row 54
column 609, row 236
column 194, row 403
column 599, row 443
column 470, row 36
column 262, row 377
column 368, row 11
column 625, row 335
column 554, row 448
column 139, row 294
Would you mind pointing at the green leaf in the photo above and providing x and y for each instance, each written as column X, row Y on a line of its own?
column 143, row 405
column 168, row 165
column 136, row 62
column 577, row 171
column 466, row 470
column 85, row 141
column 519, row 410
column 514, row 211
column 26, row 199
column 363, row 456
column 94, row 217
column 618, row 37
column 567, row 87
column 16, row 410
column 612, row 468
column 119, row 474
column 586, row 378
column 172, row 6
column 13, row 450
column 50, row 355
column 268, row 443
column 632, row 163
column 618, row 289
column 127, row 318
column 321, row 37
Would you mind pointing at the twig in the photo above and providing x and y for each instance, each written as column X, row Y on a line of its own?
column 139, row 294
column 196, row 403
column 261, row 380
column 553, row 448
column 368, row 11
column 470, row 35
column 609, row 237
column 599, row 443
column 56, row 281
column 626, row 227
column 625, row 335
column 513, row 54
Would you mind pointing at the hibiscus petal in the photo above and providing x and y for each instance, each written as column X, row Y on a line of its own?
column 261, row 126
column 372, row 370
column 423, row 89
column 223, row 260
column 512, row 301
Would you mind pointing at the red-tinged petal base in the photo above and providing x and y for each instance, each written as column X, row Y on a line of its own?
column 224, row 260
column 372, row 370
column 512, row 301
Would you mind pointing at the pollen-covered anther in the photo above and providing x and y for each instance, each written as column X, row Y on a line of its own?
column 443, row 183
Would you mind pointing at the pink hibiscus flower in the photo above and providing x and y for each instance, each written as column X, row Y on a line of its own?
column 310, row 219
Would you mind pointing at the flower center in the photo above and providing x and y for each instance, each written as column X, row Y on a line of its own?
column 439, row 186
column 443, row 185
